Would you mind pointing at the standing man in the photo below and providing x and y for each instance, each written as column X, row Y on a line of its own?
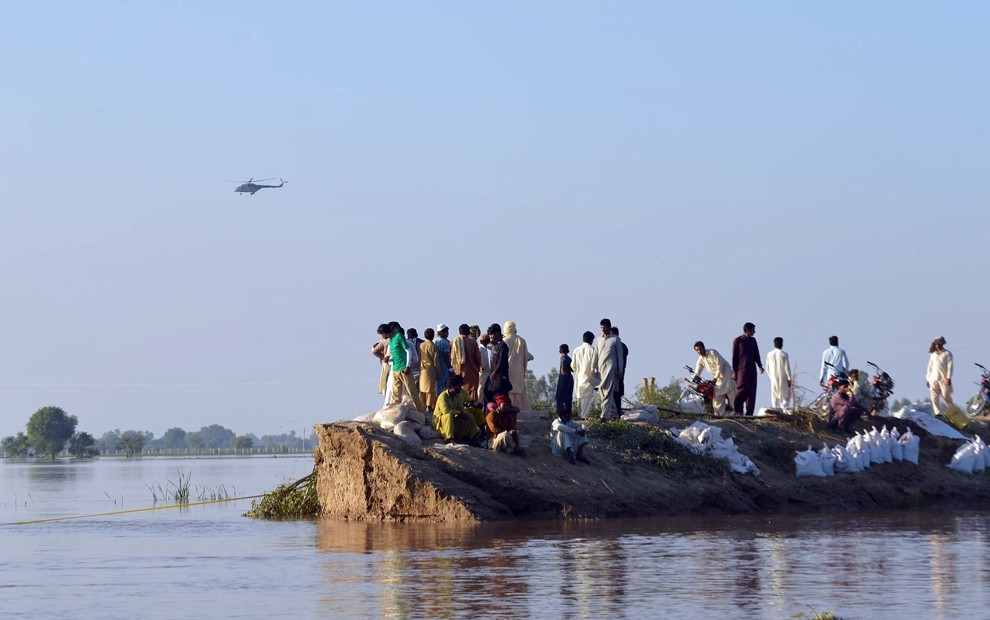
column 834, row 361
column 745, row 361
column 609, row 368
column 443, row 357
column 428, row 367
column 720, row 370
column 779, row 371
column 583, row 364
column 466, row 358
column 498, row 380
column 519, row 358
column 380, row 350
column 620, row 385
column 939, row 376
column 486, row 359
column 401, row 379
column 413, row 339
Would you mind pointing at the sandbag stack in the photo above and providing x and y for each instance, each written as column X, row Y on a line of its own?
column 707, row 441
column 860, row 452
column 972, row 457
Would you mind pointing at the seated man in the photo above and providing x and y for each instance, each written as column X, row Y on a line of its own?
column 501, row 421
column 451, row 419
column 568, row 438
column 862, row 391
column 843, row 410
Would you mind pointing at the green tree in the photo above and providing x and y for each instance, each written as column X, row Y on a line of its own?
column 174, row 438
column 131, row 442
column 664, row 397
column 81, row 445
column 15, row 446
column 215, row 436
column 108, row 441
column 243, row 442
column 541, row 391
column 49, row 429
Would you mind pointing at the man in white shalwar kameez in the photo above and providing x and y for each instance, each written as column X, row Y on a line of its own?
column 609, row 367
column 938, row 379
column 779, row 371
column 721, row 371
column 519, row 358
column 583, row 364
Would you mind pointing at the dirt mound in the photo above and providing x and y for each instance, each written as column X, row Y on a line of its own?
column 367, row 474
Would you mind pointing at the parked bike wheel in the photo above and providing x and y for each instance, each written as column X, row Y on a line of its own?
column 820, row 405
column 976, row 406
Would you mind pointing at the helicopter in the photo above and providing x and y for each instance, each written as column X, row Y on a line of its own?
column 250, row 187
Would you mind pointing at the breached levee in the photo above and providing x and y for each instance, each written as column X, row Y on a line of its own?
column 364, row 473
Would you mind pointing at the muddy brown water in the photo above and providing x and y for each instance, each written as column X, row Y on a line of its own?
column 210, row 561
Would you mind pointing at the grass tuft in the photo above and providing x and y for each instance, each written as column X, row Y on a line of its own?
column 633, row 444
column 288, row 501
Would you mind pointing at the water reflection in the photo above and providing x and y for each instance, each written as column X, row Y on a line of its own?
column 759, row 566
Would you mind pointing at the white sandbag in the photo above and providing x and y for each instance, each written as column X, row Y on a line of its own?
column 920, row 414
column 911, row 445
column 428, row 432
column 647, row 413
column 896, row 449
column 978, row 463
column 808, row 464
column 368, row 418
column 844, row 462
column 985, row 450
column 692, row 404
column 965, row 458
column 741, row 464
column 827, row 459
column 876, row 452
column 885, row 443
column 405, row 431
column 418, row 418
column 860, row 450
column 390, row 415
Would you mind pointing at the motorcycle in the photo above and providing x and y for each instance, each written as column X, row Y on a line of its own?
column 883, row 386
column 820, row 405
column 980, row 404
column 698, row 387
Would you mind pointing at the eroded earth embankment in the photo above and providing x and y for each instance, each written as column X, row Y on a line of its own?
column 367, row 474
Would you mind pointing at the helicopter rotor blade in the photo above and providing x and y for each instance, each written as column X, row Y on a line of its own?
column 260, row 180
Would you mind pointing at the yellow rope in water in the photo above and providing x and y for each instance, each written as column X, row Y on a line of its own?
column 122, row 512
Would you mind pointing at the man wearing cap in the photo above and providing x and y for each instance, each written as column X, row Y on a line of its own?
column 519, row 358
column 501, row 419
column 443, row 357
column 939, row 376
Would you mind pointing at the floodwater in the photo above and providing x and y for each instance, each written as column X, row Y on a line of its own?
column 209, row 561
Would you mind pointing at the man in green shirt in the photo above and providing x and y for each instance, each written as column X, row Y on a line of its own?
column 401, row 372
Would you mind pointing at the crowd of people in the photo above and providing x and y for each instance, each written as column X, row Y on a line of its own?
column 475, row 384
column 853, row 397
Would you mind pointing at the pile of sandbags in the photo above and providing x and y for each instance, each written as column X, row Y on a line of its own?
column 972, row 457
column 403, row 420
column 922, row 415
column 860, row 452
column 707, row 441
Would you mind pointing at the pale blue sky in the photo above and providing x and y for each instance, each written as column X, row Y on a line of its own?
column 681, row 168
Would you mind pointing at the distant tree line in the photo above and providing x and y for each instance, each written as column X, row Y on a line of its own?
column 51, row 432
